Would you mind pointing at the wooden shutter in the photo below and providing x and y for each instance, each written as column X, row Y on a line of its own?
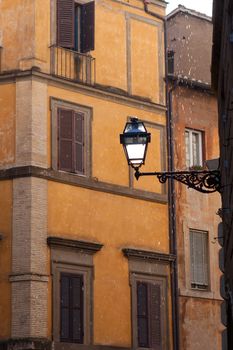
column 149, row 323
column 77, row 308
column 155, row 316
column 71, row 315
column 87, row 26
column 142, row 315
column 64, row 317
column 199, row 258
column 79, row 142
column 65, row 23
column 65, row 139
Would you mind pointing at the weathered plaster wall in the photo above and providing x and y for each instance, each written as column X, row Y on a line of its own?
column 200, row 310
column 5, row 257
column 190, row 38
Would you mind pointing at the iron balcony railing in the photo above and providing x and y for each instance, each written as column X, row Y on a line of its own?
column 72, row 65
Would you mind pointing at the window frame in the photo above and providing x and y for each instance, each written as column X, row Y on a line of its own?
column 90, row 33
column 57, row 105
column 194, row 285
column 190, row 148
column 72, row 257
column 149, row 279
column 70, row 307
column 87, row 273
column 150, row 267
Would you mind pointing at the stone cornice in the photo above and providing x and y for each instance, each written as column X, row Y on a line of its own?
column 80, row 181
column 100, row 91
column 190, row 83
column 84, row 246
column 145, row 255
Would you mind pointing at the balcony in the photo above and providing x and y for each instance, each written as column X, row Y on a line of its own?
column 72, row 65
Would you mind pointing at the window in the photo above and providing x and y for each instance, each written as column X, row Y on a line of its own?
column 75, row 25
column 193, row 148
column 170, row 62
column 72, row 297
column 149, row 274
column 199, row 260
column 72, row 279
column 71, row 126
column 149, row 303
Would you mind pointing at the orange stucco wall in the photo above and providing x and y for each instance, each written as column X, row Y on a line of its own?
column 116, row 222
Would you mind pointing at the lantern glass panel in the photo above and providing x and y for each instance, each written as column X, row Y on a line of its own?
column 136, row 153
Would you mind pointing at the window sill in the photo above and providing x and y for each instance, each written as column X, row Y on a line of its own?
column 75, row 346
column 201, row 294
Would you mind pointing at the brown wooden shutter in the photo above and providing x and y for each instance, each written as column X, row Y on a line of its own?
column 65, row 23
column 77, row 308
column 79, row 142
column 87, row 26
column 142, row 315
column 71, row 316
column 65, row 140
column 64, row 317
column 155, row 316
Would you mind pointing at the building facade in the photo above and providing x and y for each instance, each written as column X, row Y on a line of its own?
column 194, row 123
column 222, row 78
column 84, row 251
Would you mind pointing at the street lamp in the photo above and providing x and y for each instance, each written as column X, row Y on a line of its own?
column 135, row 139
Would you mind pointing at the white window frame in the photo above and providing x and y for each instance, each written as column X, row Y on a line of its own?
column 192, row 132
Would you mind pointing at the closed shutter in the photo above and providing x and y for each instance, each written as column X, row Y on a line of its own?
column 149, row 315
column 71, row 316
column 79, row 142
column 65, row 139
column 155, row 316
column 142, row 315
column 65, row 314
column 199, row 259
column 87, row 26
column 77, row 308
column 65, row 23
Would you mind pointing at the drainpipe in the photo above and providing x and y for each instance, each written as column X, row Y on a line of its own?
column 171, row 192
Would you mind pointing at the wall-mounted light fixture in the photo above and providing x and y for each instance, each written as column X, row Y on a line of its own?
column 135, row 139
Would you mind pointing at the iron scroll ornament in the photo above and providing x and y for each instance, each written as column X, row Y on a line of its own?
column 202, row 181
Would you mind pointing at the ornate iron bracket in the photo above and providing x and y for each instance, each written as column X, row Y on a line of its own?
column 202, row 181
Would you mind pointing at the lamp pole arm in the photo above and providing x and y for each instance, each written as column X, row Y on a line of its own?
column 204, row 181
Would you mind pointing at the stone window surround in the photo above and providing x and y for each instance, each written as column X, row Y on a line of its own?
column 76, row 257
column 187, row 290
column 149, row 266
column 55, row 104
